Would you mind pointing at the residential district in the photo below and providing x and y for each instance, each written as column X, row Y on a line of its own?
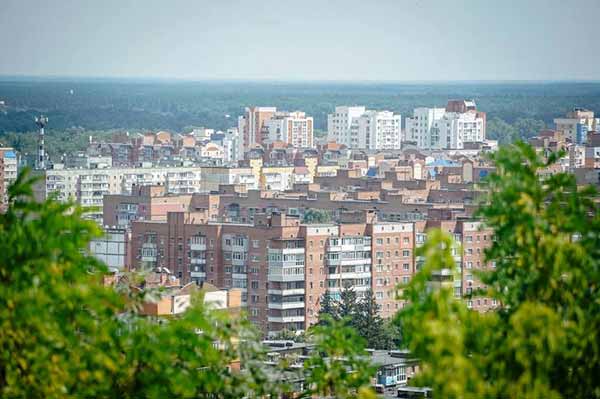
column 272, row 218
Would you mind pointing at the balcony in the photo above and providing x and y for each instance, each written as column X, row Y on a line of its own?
column 198, row 274
column 349, row 247
column 239, row 262
column 285, row 274
column 286, row 319
column 349, row 262
column 149, row 252
column 353, row 275
column 286, row 305
column 198, row 261
column 287, row 291
column 198, row 244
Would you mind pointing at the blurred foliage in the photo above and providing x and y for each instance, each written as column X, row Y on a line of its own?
column 63, row 333
column 339, row 366
column 544, row 340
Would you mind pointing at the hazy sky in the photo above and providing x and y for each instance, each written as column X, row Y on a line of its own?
column 304, row 39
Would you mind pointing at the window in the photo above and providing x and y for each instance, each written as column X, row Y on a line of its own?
column 405, row 267
column 406, row 253
column 379, row 295
column 255, row 243
column 379, row 241
column 405, row 279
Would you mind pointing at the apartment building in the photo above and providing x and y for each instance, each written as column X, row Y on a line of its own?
column 8, row 173
column 293, row 128
column 376, row 130
column 577, row 124
column 446, row 128
column 112, row 248
column 87, row 187
column 283, row 268
column 252, row 125
column 471, row 238
column 422, row 129
column 339, row 123
column 357, row 127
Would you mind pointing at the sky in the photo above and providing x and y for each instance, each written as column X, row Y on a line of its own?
column 374, row 40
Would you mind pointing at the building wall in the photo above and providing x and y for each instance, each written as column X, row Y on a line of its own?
column 338, row 123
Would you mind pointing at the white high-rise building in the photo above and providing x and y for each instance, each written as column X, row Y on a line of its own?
column 339, row 123
column 376, row 130
column 419, row 127
column 294, row 128
column 456, row 129
column 232, row 146
column 435, row 128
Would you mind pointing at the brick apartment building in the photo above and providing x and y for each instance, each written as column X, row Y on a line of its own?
column 284, row 268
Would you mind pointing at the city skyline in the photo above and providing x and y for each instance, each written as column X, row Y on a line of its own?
column 402, row 42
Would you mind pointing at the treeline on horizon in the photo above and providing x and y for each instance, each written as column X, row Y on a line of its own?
column 79, row 108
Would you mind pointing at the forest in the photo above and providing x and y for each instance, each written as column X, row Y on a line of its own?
column 78, row 108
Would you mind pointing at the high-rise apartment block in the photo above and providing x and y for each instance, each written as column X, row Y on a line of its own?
column 293, row 128
column 577, row 124
column 340, row 122
column 376, row 130
column 282, row 267
column 446, row 128
column 252, row 125
column 264, row 125
column 357, row 127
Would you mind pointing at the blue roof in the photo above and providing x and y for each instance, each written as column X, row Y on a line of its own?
column 10, row 154
column 443, row 162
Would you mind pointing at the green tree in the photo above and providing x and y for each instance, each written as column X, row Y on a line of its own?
column 327, row 309
column 64, row 334
column 543, row 341
column 529, row 127
column 339, row 366
column 315, row 216
column 369, row 324
column 498, row 129
column 347, row 304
